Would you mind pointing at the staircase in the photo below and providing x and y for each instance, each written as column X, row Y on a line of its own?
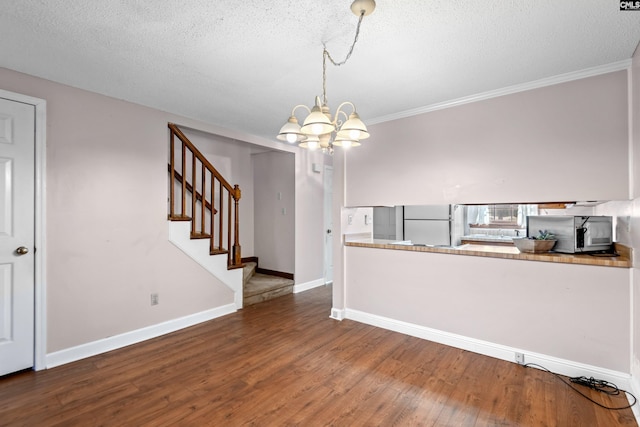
column 260, row 287
column 201, row 189
column 203, row 220
column 203, row 213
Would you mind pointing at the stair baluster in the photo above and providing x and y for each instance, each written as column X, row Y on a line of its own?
column 190, row 189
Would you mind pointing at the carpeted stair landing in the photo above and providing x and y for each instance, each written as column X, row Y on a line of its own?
column 262, row 287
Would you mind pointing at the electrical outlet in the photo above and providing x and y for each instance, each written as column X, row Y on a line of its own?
column 155, row 299
column 520, row 358
column 350, row 220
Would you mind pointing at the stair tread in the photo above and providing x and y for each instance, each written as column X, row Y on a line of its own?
column 261, row 283
column 179, row 218
column 200, row 235
column 218, row 251
column 248, row 271
column 266, row 296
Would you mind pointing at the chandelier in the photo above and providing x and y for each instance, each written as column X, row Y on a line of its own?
column 320, row 129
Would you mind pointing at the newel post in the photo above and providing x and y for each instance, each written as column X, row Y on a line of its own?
column 237, row 255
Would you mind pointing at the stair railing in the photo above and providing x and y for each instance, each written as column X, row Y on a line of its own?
column 206, row 209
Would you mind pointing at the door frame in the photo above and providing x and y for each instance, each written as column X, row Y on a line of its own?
column 40, row 306
column 325, row 219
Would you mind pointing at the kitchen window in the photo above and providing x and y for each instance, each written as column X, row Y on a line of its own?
column 504, row 216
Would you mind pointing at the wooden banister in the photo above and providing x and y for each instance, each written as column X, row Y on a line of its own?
column 200, row 156
column 209, row 177
column 178, row 178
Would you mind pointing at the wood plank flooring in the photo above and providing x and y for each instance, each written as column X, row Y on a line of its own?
column 284, row 362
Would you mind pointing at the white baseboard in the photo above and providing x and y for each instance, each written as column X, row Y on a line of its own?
column 635, row 387
column 554, row 364
column 118, row 341
column 308, row 285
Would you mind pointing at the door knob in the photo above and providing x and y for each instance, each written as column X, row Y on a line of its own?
column 328, row 231
column 22, row 250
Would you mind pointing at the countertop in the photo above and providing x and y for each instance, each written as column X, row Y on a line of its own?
column 506, row 252
column 488, row 238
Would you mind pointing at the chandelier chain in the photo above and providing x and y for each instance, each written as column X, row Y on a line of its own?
column 320, row 128
column 326, row 54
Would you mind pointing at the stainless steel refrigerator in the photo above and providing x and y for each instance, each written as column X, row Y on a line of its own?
column 428, row 224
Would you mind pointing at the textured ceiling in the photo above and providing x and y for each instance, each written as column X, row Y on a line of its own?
column 244, row 64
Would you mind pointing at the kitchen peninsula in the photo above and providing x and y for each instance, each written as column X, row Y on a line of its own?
column 505, row 252
column 530, row 146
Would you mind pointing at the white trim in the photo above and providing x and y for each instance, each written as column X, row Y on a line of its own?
column 549, row 81
column 325, row 206
column 41, row 238
column 337, row 314
column 133, row 337
column 308, row 285
column 635, row 389
column 631, row 326
column 25, row 99
column 554, row 364
column 40, row 274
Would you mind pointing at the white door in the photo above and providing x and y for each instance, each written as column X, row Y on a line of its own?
column 328, row 224
column 17, row 207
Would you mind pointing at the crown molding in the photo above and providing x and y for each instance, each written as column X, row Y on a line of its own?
column 536, row 84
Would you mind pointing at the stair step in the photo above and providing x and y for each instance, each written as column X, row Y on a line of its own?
column 248, row 271
column 200, row 236
column 218, row 251
column 179, row 218
column 262, row 287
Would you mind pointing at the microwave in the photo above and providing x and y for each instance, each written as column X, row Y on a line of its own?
column 575, row 234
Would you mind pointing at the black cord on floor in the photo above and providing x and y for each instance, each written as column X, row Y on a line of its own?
column 599, row 385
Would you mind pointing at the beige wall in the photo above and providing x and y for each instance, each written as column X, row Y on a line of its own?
column 274, row 217
column 233, row 160
column 635, row 220
column 107, row 234
column 563, row 142
column 309, row 237
column 533, row 306
column 528, row 146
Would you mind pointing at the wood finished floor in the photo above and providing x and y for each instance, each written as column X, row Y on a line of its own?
column 284, row 362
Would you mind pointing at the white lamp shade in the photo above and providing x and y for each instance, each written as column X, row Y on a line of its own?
column 312, row 143
column 317, row 123
column 353, row 129
column 290, row 132
column 345, row 142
